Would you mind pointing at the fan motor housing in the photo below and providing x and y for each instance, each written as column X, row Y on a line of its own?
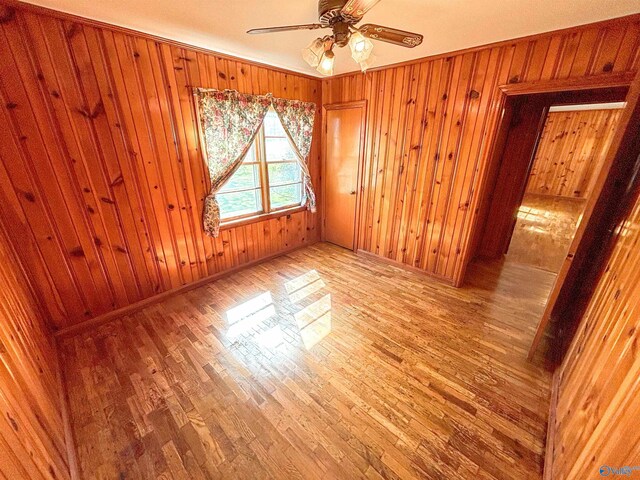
column 329, row 11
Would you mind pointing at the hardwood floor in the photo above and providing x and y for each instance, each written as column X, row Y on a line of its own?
column 318, row 364
column 544, row 230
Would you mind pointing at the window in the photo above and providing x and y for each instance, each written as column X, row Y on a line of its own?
column 242, row 194
column 269, row 178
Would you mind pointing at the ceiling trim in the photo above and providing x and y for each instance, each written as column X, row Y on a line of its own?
column 50, row 12
column 635, row 17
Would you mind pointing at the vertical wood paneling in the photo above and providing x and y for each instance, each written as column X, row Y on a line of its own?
column 599, row 381
column 431, row 124
column 32, row 442
column 571, row 150
column 100, row 163
column 595, row 404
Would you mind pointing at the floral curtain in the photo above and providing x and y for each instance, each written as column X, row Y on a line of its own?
column 297, row 119
column 229, row 122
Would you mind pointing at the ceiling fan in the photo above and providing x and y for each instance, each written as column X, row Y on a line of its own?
column 342, row 16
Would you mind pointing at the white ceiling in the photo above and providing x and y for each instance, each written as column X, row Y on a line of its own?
column 447, row 25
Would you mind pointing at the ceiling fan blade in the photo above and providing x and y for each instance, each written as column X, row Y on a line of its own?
column 391, row 35
column 310, row 26
column 355, row 9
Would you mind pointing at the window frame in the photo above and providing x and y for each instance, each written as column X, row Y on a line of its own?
column 257, row 164
column 265, row 187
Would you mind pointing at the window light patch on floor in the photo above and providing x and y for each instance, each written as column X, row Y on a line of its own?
column 271, row 338
column 247, row 308
column 314, row 320
column 301, row 281
column 316, row 331
column 307, row 290
column 250, row 315
column 314, row 311
column 252, row 321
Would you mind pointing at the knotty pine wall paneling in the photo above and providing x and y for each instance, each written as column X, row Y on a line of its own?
column 101, row 176
column 431, row 123
column 599, row 381
column 32, row 440
column 571, row 151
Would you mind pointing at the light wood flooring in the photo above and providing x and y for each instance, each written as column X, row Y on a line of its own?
column 544, row 230
column 318, row 364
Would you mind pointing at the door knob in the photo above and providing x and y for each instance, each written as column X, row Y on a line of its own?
column 353, row 192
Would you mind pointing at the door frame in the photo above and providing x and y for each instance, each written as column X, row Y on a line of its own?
column 584, row 242
column 362, row 104
column 527, row 114
column 532, row 115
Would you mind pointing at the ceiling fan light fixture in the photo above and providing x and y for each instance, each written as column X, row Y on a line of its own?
column 361, row 47
column 313, row 53
column 368, row 63
column 326, row 63
column 342, row 16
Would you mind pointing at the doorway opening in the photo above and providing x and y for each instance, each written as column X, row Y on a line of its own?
column 547, row 162
column 566, row 163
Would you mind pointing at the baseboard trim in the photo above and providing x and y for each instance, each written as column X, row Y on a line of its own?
column 134, row 307
column 69, row 440
column 551, row 431
column 404, row 266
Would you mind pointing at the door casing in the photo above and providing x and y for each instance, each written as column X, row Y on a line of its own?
column 566, row 282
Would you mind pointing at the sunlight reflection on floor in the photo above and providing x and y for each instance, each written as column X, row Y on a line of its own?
column 272, row 338
column 250, row 322
column 314, row 321
column 257, row 319
column 247, row 308
column 301, row 281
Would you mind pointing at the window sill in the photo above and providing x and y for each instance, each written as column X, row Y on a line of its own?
column 260, row 217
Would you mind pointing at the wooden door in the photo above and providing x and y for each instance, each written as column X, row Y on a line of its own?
column 343, row 149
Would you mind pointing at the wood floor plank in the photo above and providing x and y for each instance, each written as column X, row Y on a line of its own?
column 318, row 364
column 544, row 229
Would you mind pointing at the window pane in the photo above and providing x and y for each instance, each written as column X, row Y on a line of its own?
column 286, row 196
column 278, row 149
column 251, row 154
column 284, row 173
column 239, row 203
column 247, row 176
column 272, row 125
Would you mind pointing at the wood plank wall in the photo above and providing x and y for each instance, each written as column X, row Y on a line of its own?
column 32, row 442
column 101, row 177
column 571, row 151
column 599, row 381
column 430, row 124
